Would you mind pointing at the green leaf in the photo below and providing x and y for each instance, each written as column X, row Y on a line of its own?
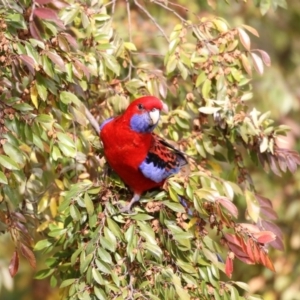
column 44, row 273
column 74, row 212
column 8, row 163
column 65, row 139
column 42, row 245
column 111, row 63
column 14, row 153
column 88, row 204
column 67, row 282
column 3, row 178
column 68, row 97
column 253, row 208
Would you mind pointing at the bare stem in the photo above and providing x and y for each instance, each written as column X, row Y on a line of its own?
column 151, row 18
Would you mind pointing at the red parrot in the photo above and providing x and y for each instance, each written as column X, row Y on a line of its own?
column 141, row 158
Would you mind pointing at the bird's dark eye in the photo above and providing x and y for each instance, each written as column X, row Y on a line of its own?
column 140, row 106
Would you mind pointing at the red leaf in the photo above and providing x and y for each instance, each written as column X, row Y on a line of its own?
column 263, row 201
column 251, row 29
column 269, row 213
column 72, row 41
column 27, row 253
column 244, row 38
column 225, row 202
column 266, row 260
column 34, row 30
column 232, row 239
column 265, row 237
column 48, row 14
column 265, row 57
column 250, row 250
column 229, row 266
column 256, row 253
column 273, row 228
column 14, row 264
column 278, row 244
column 257, row 62
column 28, row 61
column 83, row 68
column 57, row 60
column 251, row 228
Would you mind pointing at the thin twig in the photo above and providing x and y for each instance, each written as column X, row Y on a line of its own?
column 130, row 34
column 92, row 120
column 171, row 10
column 152, row 19
column 113, row 7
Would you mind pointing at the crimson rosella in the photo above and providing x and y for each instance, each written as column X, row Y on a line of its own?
column 141, row 158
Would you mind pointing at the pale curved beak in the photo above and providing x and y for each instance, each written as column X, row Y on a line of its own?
column 154, row 115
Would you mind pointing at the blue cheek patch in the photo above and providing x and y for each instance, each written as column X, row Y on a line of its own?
column 105, row 122
column 155, row 172
column 141, row 123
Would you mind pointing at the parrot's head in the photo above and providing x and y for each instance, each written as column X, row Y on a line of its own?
column 144, row 113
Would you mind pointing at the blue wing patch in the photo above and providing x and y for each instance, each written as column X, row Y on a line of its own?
column 155, row 172
column 105, row 122
column 162, row 160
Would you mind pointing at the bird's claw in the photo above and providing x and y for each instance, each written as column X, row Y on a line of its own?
column 125, row 209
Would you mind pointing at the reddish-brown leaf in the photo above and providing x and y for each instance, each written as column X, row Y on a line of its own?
column 278, row 244
column 269, row 213
column 256, row 253
column 34, row 30
column 225, row 202
column 282, row 163
column 266, row 260
column 249, row 245
column 265, row 57
column 265, row 237
column 273, row 165
column 291, row 164
column 21, row 227
column 258, row 63
column 63, row 43
column 251, row 29
column 72, row 41
column 263, row 201
column 28, row 254
column 244, row 38
column 267, row 225
column 79, row 65
column 57, row 60
column 232, row 239
column 251, row 228
column 14, row 264
column 229, row 266
column 19, row 216
column 60, row 4
column 28, row 61
column 46, row 13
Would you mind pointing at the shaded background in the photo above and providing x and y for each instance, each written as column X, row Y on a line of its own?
column 278, row 90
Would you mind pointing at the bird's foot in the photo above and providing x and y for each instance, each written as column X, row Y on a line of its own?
column 127, row 208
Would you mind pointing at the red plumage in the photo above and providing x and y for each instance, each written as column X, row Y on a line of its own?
column 140, row 158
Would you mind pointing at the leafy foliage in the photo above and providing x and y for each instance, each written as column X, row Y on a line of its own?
column 56, row 59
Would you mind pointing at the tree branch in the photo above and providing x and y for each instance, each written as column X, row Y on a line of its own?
column 152, row 19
